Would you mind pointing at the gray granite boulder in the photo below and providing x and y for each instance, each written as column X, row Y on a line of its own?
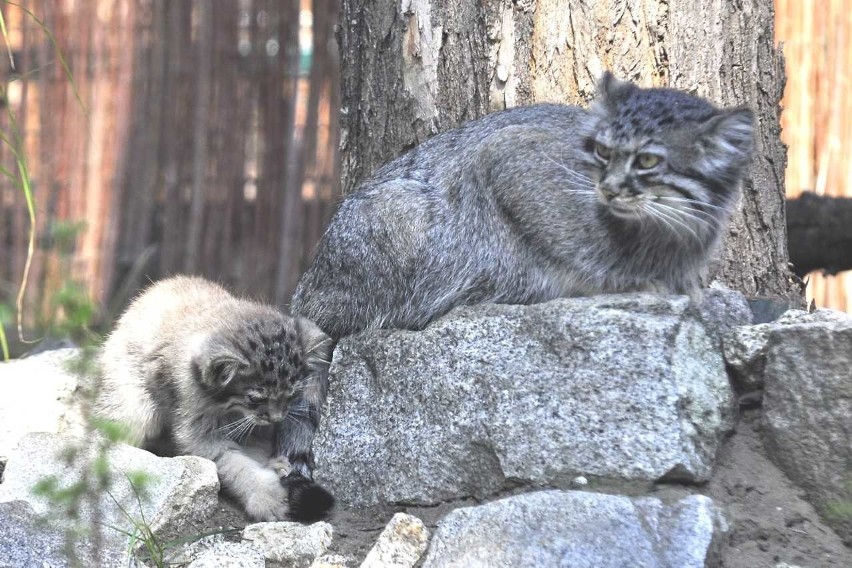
column 179, row 491
column 745, row 347
column 24, row 541
column 723, row 309
column 579, row 529
column 622, row 386
column 52, row 407
column 808, row 412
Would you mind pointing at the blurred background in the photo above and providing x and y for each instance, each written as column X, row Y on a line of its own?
column 170, row 136
column 817, row 118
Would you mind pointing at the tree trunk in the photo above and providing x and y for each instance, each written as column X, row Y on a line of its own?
column 413, row 68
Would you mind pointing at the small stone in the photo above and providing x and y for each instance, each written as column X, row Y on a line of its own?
column 579, row 481
column 295, row 544
column 401, row 544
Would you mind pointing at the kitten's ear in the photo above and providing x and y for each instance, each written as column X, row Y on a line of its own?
column 214, row 365
column 222, row 369
column 729, row 135
column 317, row 345
column 610, row 90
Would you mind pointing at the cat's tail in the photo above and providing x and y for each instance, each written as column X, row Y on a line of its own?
column 308, row 501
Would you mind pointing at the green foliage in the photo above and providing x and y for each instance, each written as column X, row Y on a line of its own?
column 72, row 312
column 85, row 365
column 63, row 234
column 50, row 489
column 93, row 478
column 20, row 176
column 841, row 510
column 141, row 533
column 113, row 431
column 6, row 315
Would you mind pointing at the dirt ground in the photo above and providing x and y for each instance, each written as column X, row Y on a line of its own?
column 770, row 522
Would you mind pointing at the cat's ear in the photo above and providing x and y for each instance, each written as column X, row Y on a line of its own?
column 214, row 365
column 317, row 346
column 222, row 369
column 610, row 90
column 728, row 136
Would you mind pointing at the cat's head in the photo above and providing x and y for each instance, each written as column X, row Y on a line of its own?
column 254, row 368
column 667, row 157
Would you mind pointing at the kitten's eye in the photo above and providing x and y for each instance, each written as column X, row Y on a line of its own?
column 647, row 161
column 602, row 151
column 255, row 397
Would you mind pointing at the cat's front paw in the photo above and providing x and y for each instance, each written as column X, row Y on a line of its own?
column 267, row 502
column 280, row 465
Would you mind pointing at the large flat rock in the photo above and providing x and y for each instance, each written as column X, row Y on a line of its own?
column 624, row 386
column 578, row 529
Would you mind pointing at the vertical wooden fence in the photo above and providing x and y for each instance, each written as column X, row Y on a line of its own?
column 817, row 117
column 196, row 136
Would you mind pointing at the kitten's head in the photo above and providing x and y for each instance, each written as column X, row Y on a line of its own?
column 667, row 157
column 254, row 368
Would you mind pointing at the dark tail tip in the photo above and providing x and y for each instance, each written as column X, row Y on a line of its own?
column 308, row 502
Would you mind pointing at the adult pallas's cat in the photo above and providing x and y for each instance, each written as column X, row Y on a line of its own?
column 532, row 204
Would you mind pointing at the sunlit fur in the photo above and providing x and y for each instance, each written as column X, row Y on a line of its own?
column 192, row 368
column 531, row 204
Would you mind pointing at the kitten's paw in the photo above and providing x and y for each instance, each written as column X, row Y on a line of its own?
column 280, row 465
column 267, row 502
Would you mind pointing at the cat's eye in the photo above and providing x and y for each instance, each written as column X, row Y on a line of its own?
column 602, row 151
column 647, row 161
column 255, row 397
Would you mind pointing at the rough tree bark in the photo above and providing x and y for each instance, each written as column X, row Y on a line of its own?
column 412, row 68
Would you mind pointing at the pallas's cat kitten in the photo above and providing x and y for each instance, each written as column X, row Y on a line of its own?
column 234, row 381
column 532, row 204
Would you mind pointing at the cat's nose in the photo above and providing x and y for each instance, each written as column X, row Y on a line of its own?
column 609, row 191
column 276, row 415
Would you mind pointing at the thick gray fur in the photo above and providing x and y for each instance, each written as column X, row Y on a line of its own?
column 532, row 204
column 234, row 381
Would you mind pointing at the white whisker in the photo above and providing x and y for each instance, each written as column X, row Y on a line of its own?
column 674, row 219
column 577, row 176
column 660, row 219
column 693, row 202
column 680, row 213
column 708, row 217
column 233, row 425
